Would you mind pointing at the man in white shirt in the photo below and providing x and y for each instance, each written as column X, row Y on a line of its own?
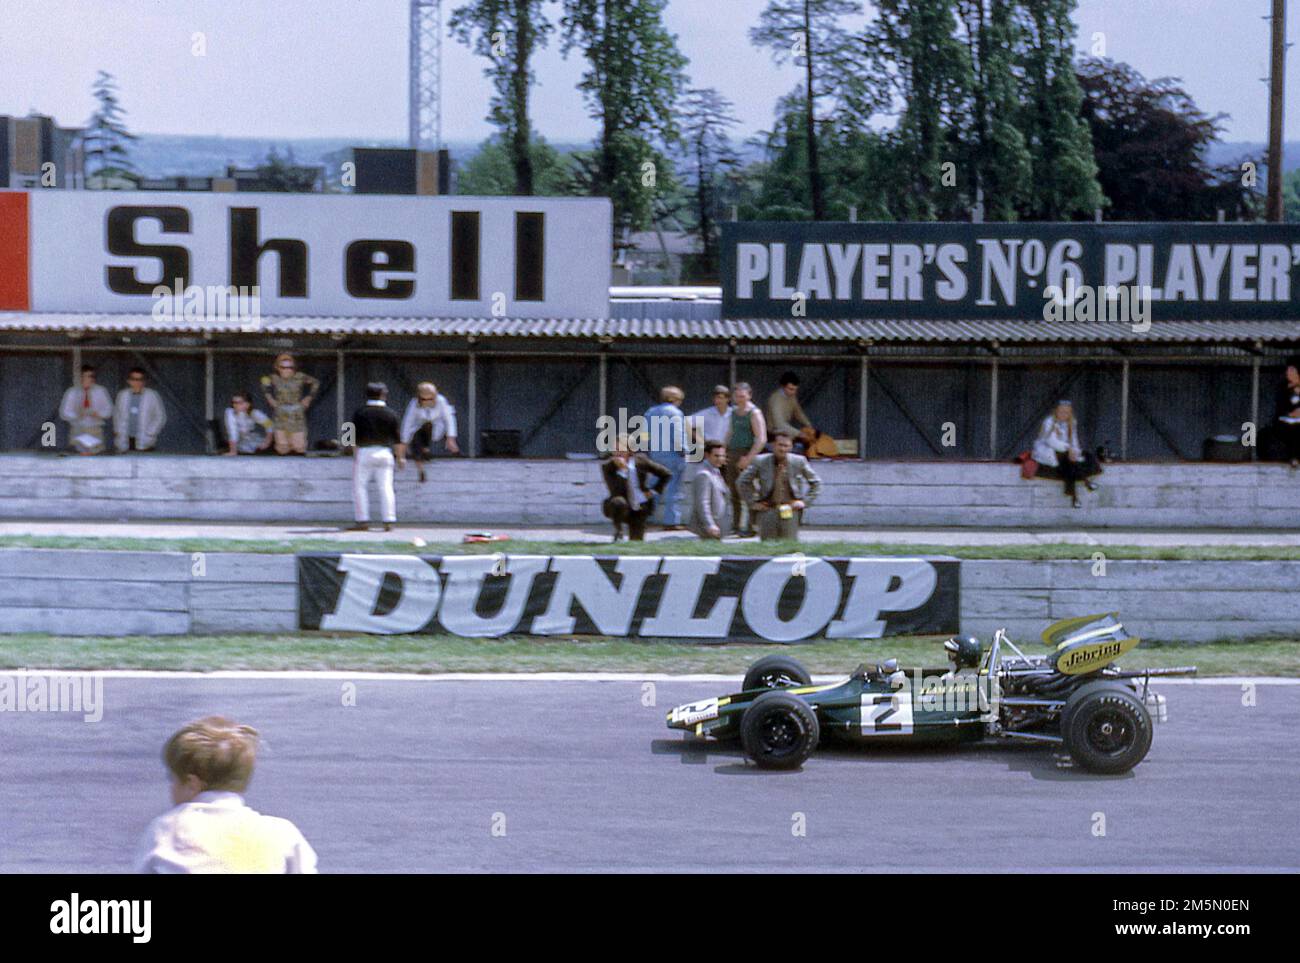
column 429, row 418
column 85, row 408
column 138, row 415
column 211, row 829
column 711, row 423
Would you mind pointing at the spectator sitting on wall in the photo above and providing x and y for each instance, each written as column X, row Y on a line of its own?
column 632, row 481
column 289, row 392
column 138, row 416
column 248, row 430
column 666, row 426
column 429, row 419
column 85, row 409
column 1288, row 412
column 784, row 413
column 1059, row 454
column 709, row 494
column 778, row 487
column 745, row 438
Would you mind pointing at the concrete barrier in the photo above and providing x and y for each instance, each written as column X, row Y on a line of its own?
column 89, row 592
column 502, row 492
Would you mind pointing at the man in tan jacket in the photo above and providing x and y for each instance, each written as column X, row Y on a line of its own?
column 777, row 488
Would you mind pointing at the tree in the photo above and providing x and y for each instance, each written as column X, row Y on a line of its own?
column 1063, row 183
column 915, row 44
column 1150, row 142
column 707, row 153
column 280, row 172
column 634, row 77
column 492, row 171
column 106, row 140
column 999, row 162
column 809, row 31
column 507, row 32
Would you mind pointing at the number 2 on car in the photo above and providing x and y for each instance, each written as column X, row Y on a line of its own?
column 886, row 713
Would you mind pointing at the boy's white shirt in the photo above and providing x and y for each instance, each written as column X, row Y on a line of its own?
column 217, row 832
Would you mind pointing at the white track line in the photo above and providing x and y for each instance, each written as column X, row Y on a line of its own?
column 334, row 675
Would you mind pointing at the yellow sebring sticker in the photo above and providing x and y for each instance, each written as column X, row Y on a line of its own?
column 1075, row 658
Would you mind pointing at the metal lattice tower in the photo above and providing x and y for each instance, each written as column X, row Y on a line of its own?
column 425, row 93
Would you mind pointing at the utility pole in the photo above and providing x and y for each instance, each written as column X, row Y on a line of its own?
column 1275, row 101
column 424, row 105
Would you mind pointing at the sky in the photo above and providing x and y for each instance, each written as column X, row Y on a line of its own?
column 337, row 68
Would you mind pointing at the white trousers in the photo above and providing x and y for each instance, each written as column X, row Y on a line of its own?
column 373, row 462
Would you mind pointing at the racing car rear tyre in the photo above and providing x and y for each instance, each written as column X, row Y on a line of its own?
column 779, row 731
column 1107, row 728
column 1077, row 695
column 776, row 672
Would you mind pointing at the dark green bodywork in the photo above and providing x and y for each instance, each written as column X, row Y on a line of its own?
column 868, row 707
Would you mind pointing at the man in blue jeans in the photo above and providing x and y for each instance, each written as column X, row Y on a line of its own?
column 666, row 428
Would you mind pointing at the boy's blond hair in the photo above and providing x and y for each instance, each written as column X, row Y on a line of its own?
column 218, row 751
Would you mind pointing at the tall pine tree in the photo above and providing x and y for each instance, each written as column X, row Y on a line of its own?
column 507, row 32
column 107, row 142
column 634, row 77
column 1063, row 183
column 809, row 33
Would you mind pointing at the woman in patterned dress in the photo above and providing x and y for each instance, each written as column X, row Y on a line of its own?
column 290, row 393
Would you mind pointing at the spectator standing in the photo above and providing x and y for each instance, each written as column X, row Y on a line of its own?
column 248, row 430
column 778, row 487
column 138, row 416
column 632, row 482
column 289, row 393
column 378, row 437
column 1059, row 453
column 745, row 438
column 666, row 425
column 784, row 413
column 85, row 409
column 429, row 419
column 211, row 829
column 711, row 423
column 709, row 494
column 1288, row 412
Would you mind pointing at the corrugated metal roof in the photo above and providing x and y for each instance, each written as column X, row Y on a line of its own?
column 657, row 328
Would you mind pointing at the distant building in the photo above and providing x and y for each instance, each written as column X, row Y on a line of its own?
column 401, row 170
column 311, row 180
column 36, row 152
column 656, row 257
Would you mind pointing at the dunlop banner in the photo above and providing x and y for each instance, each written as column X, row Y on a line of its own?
column 963, row 271
column 783, row 599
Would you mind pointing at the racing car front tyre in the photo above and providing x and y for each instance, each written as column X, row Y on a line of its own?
column 1106, row 728
column 776, row 672
column 779, row 731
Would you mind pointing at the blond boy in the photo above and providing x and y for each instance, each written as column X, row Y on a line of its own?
column 211, row 829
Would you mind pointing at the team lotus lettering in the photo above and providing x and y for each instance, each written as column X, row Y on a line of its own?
column 647, row 596
column 967, row 270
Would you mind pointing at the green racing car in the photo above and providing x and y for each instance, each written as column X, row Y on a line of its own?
column 1075, row 696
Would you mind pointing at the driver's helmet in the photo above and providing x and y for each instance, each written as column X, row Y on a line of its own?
column 964, row 652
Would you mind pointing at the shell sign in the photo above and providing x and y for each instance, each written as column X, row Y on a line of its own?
column 307, row 254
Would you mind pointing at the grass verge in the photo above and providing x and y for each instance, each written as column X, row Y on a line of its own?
column 671, row 546
column 446, row 653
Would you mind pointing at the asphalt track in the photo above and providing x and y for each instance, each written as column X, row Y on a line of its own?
column 413, row 776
